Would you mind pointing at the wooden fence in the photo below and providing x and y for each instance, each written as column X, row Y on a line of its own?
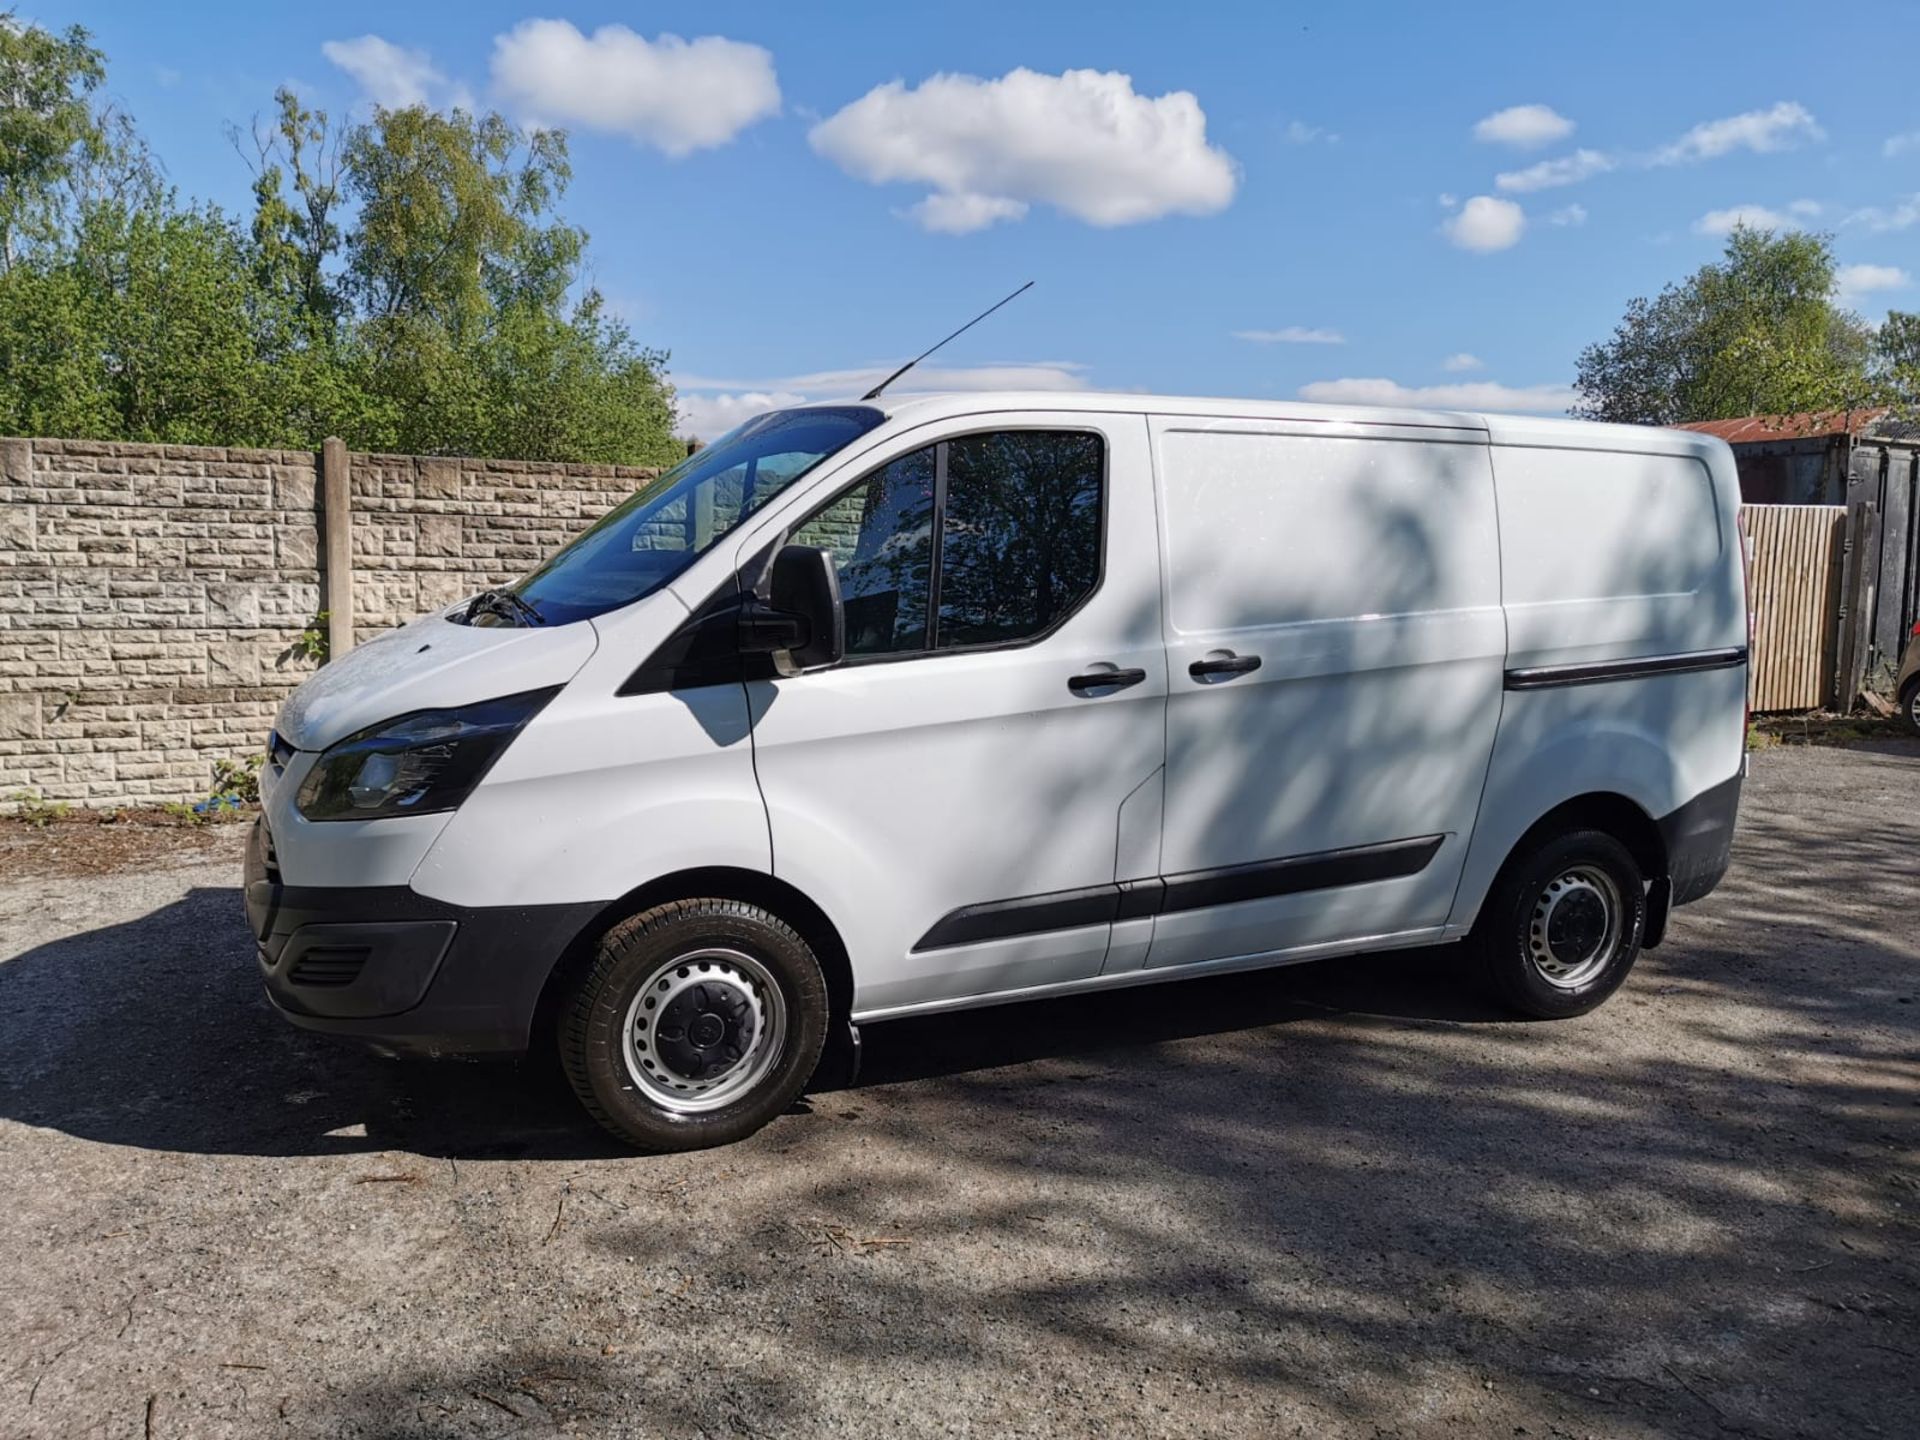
column 1797, row 562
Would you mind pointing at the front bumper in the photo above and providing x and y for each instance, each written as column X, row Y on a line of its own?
column 406, row 974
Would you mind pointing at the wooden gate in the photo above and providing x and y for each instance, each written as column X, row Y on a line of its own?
column 1797, row 553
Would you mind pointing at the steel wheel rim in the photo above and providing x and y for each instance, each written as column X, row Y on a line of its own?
column 1575, row 928
column 687, row 1020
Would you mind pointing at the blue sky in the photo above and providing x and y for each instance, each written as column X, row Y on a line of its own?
column 1445, row 202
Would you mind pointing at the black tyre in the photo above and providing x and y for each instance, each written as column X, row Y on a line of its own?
column 1910, row 707
column 1561, row 927
column 696, row 1023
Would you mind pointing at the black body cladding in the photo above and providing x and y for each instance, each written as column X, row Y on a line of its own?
column 1103, row 904
column 1547, row 677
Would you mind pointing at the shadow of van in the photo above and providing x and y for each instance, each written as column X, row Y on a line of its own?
column 155, row 1034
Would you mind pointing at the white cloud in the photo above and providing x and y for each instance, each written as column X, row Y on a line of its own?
column 390, row 75
column 1083, row 142
column 1762, row 131
column 1525, row 127
column 1902, row 216
column 1852, row 282
column 1901, row 144
column 710, row 406
column 1298, row 132
column 1568, row 215
column 708, row 417
column 1567, row 170
column 1485, row 224
column 1292, row 335
column 1461, row 395
column 1449, row 201
column 963, row 214
column 673, row 94
column 1460, row 361
column 1756, row 217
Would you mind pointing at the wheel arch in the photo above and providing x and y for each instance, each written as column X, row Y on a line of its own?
column 1613, row 813
column 717, row 882
column 1609, row 811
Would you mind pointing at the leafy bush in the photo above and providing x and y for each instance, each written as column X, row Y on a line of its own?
column 237, row 781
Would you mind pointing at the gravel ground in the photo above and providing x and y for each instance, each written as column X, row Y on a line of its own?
column 1342, row 1199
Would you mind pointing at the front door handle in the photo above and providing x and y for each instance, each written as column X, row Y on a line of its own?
column 1105, row 680
column 1225, row 663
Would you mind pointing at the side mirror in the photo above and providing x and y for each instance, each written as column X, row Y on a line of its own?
column 805, row 583
column 802, row 623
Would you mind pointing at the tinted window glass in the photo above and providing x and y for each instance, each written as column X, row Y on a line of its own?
column 670, row 522
column 881, row 536
column 1020, row 541
column 1020, row 546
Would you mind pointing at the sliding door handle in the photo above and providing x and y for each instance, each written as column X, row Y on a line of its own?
column 1105, row 680
column 1223, row 663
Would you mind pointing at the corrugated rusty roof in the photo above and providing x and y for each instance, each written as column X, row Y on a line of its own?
column 1805, row 425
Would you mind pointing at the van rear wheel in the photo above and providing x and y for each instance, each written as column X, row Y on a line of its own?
column 1562, row 926
column 696, row 1024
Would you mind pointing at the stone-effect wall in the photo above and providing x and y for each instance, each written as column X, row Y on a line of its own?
column 152, row 597
column 427, row 531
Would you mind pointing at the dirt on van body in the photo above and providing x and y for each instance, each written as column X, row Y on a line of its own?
column 1342, row 1199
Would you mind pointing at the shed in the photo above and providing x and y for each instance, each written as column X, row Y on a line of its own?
column 1869, row 462
column 1797, row 459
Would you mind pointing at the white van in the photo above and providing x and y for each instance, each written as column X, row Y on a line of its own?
column 873, row 710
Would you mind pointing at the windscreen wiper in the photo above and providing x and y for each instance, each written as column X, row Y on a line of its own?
column 506, row 604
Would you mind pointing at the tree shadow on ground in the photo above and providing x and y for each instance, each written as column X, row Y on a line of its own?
column 1337, row 1196
column 1336, row 1199
column 155, row 1033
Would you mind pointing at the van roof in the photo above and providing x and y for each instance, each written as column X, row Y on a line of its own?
column 1500, row 429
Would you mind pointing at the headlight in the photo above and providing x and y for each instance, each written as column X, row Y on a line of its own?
column 415, row 765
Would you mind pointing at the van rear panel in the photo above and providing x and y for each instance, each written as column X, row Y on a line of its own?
column 1626, row 641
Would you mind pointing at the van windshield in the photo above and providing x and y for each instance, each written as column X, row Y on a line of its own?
column 649, row 539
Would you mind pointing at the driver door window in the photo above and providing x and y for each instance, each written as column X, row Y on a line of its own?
column 982, row 540
column 881, row 536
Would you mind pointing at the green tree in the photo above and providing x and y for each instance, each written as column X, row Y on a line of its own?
column 295, row 240
column 1756, row 333
column 48, row 125
column 147, row 328
column 460, row 272
column 455, row 219
column 1896, row 359
column 405, row 282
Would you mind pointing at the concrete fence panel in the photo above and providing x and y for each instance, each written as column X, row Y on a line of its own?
column 157, row 602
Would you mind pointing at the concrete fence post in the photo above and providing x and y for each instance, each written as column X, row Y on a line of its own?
column 336, row 487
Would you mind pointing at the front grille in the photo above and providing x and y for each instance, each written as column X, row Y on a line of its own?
column 278, row 750
column 269, row 859
column 328, row 967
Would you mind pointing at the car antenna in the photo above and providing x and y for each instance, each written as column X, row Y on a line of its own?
column 874, row 393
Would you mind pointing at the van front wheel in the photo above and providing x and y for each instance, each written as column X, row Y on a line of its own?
column 1562, row 927
column 696, row 1024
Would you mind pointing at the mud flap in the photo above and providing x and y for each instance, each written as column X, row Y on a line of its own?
column 1659, row 906
column 839, row 1067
